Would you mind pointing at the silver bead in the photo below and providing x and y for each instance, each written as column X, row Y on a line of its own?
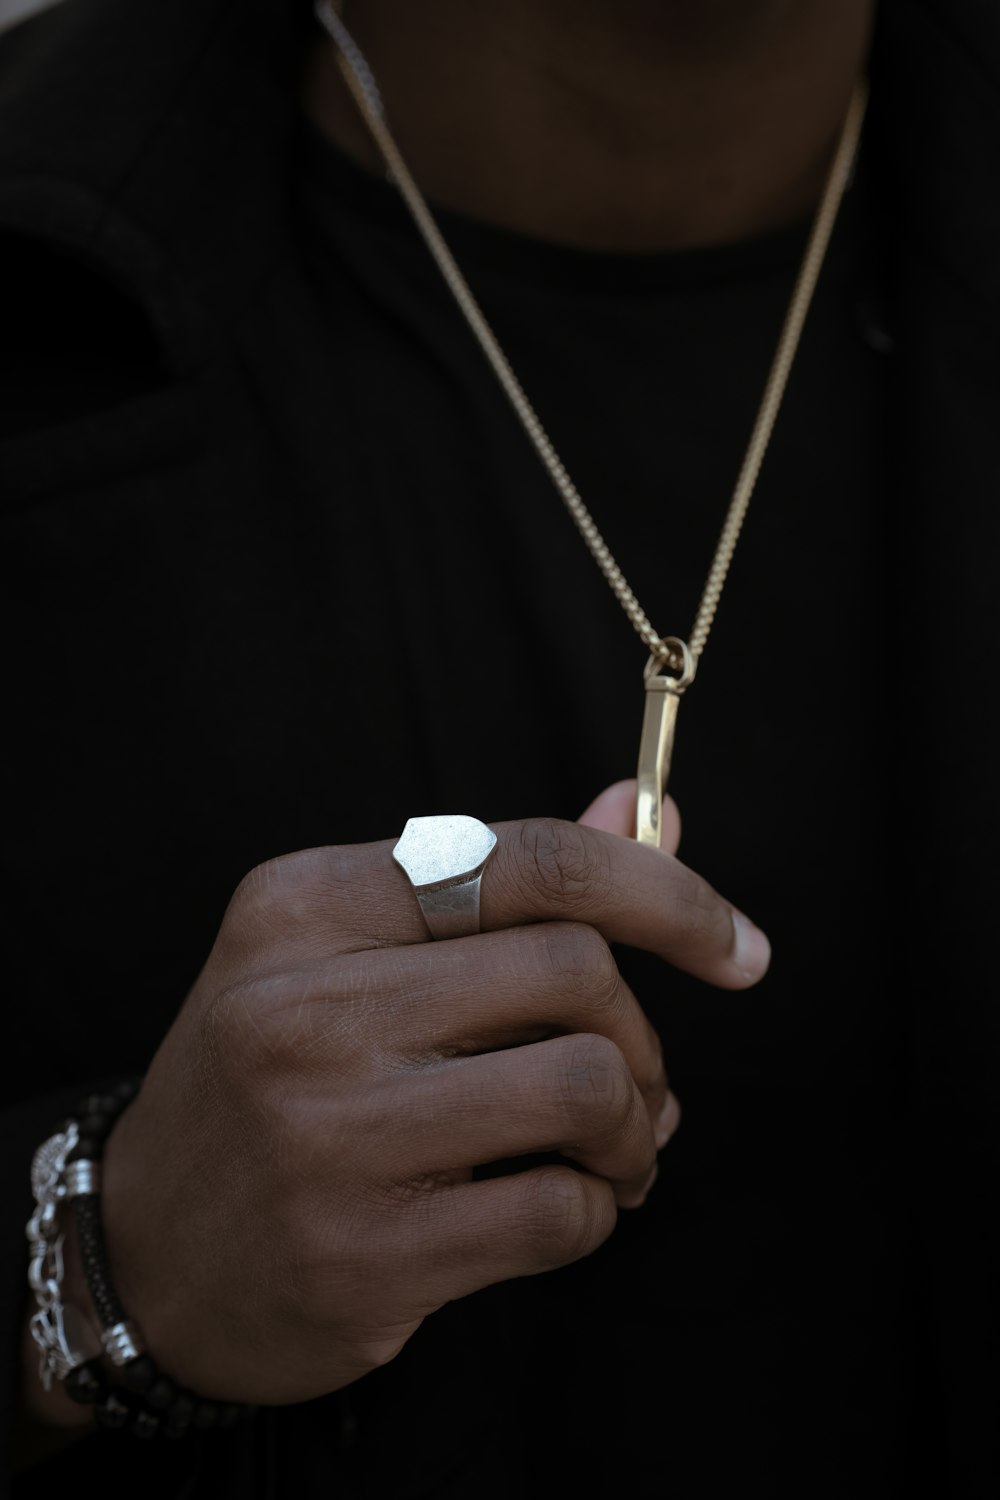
column 82, row 1178
column 122, row 1343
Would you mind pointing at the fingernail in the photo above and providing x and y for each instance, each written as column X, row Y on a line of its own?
column 667, row 1121
column 752, row 952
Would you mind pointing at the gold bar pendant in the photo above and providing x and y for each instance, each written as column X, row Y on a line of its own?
column 659, row 721
column 655, row 750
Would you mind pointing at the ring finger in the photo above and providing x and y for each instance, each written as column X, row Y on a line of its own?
column 571, row 1094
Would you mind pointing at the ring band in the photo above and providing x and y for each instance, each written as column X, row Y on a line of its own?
column 443, row 858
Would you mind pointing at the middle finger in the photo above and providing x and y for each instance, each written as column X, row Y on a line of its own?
column 482, row 994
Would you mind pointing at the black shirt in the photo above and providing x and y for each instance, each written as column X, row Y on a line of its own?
column 703, row 1318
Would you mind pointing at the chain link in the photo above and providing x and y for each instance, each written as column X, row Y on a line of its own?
column 364, row 90
column 45, row 1265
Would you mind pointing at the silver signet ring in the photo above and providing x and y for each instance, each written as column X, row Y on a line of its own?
column 444, row 859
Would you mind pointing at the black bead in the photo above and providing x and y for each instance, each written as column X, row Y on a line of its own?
column 125, row 1091
column 86, row 1149
column 206, row 1415
column 96, row 1127
column 180, row 1416
column 100, row 1104
column 229, row 1414
column 112, row 1413
column 144, row 1425
column 160, row 1394
column 86, row 1384
column 138, row 1374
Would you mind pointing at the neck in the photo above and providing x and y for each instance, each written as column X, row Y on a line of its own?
column 635, row 125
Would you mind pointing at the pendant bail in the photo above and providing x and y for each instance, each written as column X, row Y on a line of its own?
column 673, row 647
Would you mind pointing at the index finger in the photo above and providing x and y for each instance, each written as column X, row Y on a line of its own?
column 545, row 870
column 350, row 898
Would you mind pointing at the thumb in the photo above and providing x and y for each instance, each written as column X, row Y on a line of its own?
column 613, row 811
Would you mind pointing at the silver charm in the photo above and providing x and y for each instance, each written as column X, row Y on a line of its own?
column 49, row 1163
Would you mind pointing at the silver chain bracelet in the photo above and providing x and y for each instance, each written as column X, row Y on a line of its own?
column 63, row 1334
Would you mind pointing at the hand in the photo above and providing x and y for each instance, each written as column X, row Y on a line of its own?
column 292, row 1192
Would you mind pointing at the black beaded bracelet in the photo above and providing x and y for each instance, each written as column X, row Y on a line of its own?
column 138, row 1397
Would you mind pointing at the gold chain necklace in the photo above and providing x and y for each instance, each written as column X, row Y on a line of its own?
column 672, row 662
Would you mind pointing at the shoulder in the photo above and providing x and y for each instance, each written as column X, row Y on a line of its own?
column 142, row 160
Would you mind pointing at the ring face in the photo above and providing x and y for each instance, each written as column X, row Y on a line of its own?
column 443, row 858
column 444, row 850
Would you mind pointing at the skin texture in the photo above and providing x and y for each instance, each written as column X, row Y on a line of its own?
column 640, row 126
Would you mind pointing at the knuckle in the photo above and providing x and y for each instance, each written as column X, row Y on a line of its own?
column 559, row 860
column 596, row 1084
column 244, row 1023
column 578, row 959
column 299, row 903
column 559, row 1216
column 231, row 1031
column 285, row 891
column 269, row 892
